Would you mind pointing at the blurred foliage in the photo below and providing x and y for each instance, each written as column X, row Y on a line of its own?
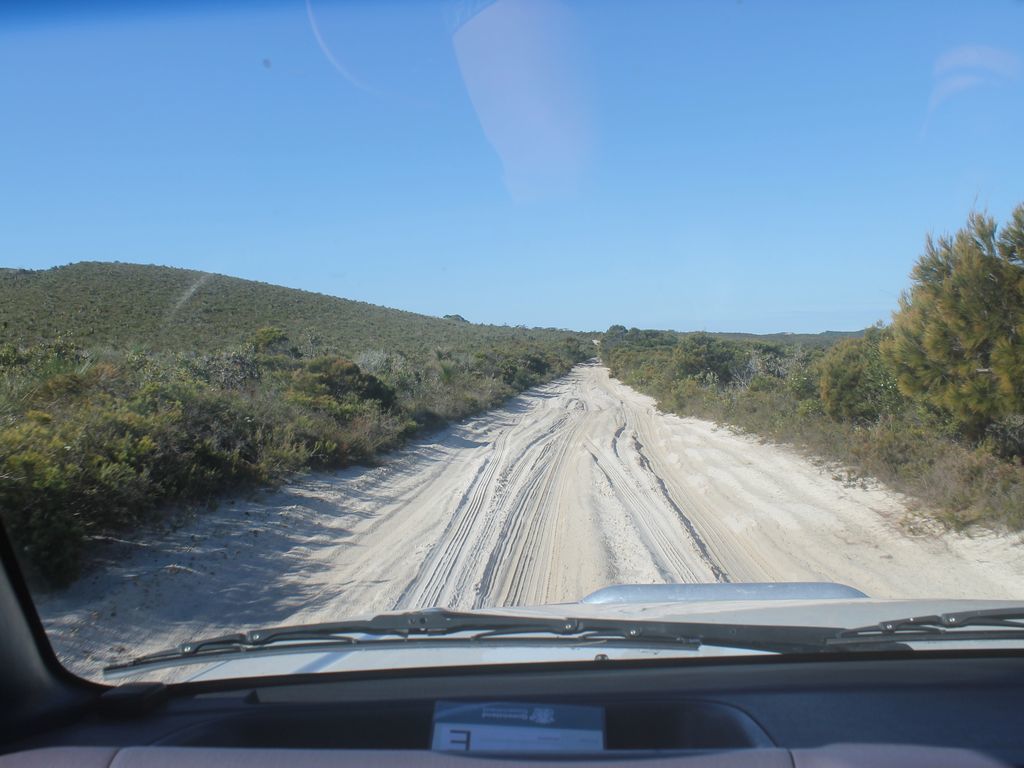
column 94, row 440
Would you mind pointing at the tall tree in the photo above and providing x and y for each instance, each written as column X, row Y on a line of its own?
column 958, row 336
column 1008, row 351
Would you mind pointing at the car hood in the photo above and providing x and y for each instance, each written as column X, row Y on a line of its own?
column 762, row 607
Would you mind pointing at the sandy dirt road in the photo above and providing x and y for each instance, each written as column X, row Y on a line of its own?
column 573, row 486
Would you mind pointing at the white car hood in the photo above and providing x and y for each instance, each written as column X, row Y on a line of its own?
column 853, row 612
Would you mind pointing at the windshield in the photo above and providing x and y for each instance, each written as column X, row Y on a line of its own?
column 312, row 311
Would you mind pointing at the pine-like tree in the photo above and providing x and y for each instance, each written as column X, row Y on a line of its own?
column 1008, row 351
column 958, row 337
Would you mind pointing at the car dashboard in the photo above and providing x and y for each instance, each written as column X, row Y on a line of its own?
column 879, row 709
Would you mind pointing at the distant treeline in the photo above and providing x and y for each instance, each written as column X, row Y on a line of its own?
column 932, row 403
column 93, row 441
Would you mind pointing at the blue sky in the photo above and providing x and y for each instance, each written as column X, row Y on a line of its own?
column 750, row 166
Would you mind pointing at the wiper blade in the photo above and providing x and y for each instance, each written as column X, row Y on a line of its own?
column 998, row 624
column 440, row 625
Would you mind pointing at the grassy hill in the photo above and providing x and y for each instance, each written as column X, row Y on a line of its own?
column 94, row 304
column 124, row 388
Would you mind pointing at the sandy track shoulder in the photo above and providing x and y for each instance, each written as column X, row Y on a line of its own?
column 570, row 487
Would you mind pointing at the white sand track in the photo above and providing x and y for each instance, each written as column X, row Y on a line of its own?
column 570, row 487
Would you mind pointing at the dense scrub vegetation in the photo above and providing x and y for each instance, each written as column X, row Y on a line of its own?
column 932, row 404
column 93, row 439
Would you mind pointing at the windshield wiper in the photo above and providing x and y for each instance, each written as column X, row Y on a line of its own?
column 439, row 626
column 998, row 623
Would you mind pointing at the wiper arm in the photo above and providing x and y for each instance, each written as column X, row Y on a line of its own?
column 433, row 625
column 999, row 624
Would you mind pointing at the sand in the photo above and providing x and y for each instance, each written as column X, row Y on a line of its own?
column 570, row 487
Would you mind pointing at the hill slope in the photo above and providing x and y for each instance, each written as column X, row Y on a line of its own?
column 124, row 388
column 96, row 304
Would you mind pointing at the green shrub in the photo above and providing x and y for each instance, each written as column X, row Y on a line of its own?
column 702, row 355
column 856, row 384
column 1005, row 436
